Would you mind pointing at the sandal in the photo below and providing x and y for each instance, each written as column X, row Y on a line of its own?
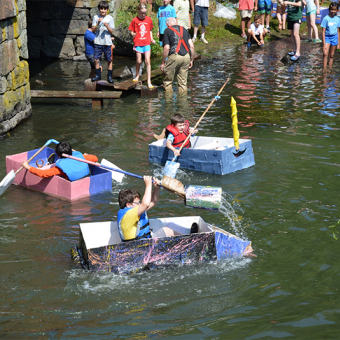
column 150, row 87
column 295, row 58
column 243, row 35
column 135, row 80
column 291, row 53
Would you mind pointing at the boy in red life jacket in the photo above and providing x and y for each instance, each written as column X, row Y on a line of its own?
column 69, row 169
column 177, row 132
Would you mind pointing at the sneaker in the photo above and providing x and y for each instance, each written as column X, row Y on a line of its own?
column 204, row 41
column 194, row 39
column 317, row 41
column 249, row 44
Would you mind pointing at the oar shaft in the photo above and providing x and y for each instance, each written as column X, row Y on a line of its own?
column 32, row 158
column 103, row 166
column 212, row 102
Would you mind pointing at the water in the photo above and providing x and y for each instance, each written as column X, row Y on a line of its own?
column 284, row 205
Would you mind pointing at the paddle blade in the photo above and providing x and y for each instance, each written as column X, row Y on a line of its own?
column 203, row 197
column 173, row 185
column 116, row 176
column 170, row 169
column 7, row 181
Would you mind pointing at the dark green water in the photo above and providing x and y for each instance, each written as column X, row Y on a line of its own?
column 284, row 205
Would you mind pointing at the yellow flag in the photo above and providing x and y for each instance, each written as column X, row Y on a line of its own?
column 234, row 122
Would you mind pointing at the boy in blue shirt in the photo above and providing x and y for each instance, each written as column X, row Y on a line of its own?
column 89, row 37
column 164, row 12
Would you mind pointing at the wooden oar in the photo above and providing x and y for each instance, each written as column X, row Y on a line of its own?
column 171, row 167
column 203, row 197
column 9, row 178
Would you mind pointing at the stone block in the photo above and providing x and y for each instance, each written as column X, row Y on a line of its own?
column 38, row 29
column 59, row 47
column 81, row 57
column 9, row 56
column 9, row 82
column 34, row 47
column 3, row 85
column 83, row 3
column 78, row 13
column 22, row 23
column 68, row 27
column 20, row 75
column 7, row 9
column 7, row 125
column 7, row 29
column 24, row 47
column 80, row 45
column 21, row 5
column 122, row 72
column 50, row 10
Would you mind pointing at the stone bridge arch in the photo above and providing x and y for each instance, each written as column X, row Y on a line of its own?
column 34, row 29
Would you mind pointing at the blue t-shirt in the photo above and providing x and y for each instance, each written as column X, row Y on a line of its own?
column 331, row 25
column 165, row 12
column 89, row 42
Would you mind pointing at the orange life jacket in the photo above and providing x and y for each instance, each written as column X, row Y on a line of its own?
column 179, row 137
column 181, row 40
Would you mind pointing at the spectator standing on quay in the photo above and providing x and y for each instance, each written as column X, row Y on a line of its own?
column 246, row 11
column 200, row 17
column 265, row 8
column 294, row 18
column 164, row 12
column 281, row 15
column 89, row 37
column 179, row 49
column 312, row 9
column 141, row 30
column 103, row 26
column 183, row 15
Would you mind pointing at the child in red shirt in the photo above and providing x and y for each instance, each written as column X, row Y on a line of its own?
column 141, row 30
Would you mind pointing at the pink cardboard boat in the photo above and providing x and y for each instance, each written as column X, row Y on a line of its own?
column 99, row 181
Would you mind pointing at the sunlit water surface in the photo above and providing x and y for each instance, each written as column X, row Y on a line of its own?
column 285, row 205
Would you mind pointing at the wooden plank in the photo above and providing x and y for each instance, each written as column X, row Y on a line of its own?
column 76, row 94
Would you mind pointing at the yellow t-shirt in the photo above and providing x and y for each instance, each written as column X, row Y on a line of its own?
column 129, row 223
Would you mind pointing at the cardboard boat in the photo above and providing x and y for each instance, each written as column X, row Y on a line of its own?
column 207, row 154
column 101, row 249
column 99, row 181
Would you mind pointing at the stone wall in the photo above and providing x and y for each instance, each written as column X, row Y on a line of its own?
column 56, row 28
column 14, row 74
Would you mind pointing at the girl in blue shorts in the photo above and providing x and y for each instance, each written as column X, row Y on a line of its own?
column 330, row 27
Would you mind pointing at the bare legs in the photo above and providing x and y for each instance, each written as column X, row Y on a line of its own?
column 295, row 34
column 245, row 22
column 312, row 27
column 148, row 65
column 328, row 50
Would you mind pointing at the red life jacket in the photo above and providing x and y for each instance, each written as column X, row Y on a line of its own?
column 179, row 137
column 181, row 40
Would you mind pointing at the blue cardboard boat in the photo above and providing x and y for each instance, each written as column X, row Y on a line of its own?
column 100, row 247
column 208, row 154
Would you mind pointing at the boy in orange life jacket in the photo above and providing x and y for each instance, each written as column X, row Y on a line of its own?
column 67, row 168
column 177, row 132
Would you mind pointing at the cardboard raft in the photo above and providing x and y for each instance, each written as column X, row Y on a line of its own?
column 100, row 247
column 207, row 154
column 57, row 186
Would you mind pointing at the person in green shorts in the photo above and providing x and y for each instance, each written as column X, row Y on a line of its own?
column 294, row 17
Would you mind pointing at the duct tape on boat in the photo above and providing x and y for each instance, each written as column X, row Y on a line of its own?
column 204, row 197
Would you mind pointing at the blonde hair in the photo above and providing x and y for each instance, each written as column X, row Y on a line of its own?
column 142, row 6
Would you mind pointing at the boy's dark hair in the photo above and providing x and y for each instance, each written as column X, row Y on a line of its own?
column 334, row 4
column 257, row 17
column 177, row 118
column 63, row 147
column 127, row 196
column 89, row 23
column 103, row 4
